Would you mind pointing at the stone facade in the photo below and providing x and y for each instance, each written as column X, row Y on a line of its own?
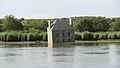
column 60, row 33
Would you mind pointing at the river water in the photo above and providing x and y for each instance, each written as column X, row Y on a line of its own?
column 85, row 55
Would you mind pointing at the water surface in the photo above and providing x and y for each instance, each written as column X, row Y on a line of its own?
column 87, row 55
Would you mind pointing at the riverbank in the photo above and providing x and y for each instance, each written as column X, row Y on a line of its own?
column 99, row 41
column 23, row 43
column 45, row 42
column 11, row 36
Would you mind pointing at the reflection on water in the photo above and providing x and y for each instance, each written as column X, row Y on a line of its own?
column 60, row 57
column 85, row 55
column 114, row 55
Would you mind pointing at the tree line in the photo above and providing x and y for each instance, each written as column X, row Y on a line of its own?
column 96, row 24
column 13, row 29
column 9, row 23
column 80, row 24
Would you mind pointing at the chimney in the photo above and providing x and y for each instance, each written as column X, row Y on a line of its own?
column 70, row 21
column 49, row 23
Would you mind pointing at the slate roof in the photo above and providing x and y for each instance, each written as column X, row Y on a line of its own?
column 60, row 25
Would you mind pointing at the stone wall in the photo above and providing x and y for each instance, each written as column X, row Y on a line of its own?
column 63, row 36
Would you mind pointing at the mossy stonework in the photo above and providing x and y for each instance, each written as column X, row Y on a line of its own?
column 60, row 33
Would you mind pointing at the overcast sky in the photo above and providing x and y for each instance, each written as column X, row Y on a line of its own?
column 59, row 8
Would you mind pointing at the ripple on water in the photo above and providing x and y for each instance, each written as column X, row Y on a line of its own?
column 96, row 53
column 9, row 54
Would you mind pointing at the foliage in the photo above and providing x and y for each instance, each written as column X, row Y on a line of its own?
column 36, row 24
column 0, row 21
column 86, row 28
column 83, row 25
column 1, row 26
column 80, row 24
column 91, row 24
column 21, row 36
column 11, row 23
column 115, row 26
column 97, row 35
column 78, row 35
column 87, row 36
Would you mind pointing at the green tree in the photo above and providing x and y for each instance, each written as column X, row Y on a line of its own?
column 25, row 24
column 22, row 19
column 83, row 25
column 100, row 24
column 38, row 24
column 1, row 26
column 11, row 23
column 91, row 24
column 0, row 21
column 115, row 26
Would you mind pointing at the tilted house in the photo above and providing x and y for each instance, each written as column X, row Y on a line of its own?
column 60, row 32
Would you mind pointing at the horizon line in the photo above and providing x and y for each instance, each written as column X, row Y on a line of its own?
column 67, row 16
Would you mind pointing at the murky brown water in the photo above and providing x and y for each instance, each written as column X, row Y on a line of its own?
column 80, row 56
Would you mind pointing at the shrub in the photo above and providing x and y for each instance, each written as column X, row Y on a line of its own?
column 87, row 36
column 112, row 36
column 24, row 37
column 29, row 36
column 19, row 36
column 96, row 36
column 45, row 36
column 118, row 35
column 78, row 36
column 40, row 37
column 3, row 36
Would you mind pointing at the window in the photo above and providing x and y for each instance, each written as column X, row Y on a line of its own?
column 63, row 40
column 57, row 41
column 68, row 40
column 68, row 33
column 57, row 34
column 63, row 34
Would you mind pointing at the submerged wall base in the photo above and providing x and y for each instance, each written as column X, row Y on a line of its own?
column 69, row 44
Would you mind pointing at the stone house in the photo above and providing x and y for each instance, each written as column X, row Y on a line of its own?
column 60, row 32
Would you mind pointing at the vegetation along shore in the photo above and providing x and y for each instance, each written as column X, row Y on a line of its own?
column 87, row 28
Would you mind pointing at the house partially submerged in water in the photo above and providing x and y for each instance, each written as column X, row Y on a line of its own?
column 60, row 32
